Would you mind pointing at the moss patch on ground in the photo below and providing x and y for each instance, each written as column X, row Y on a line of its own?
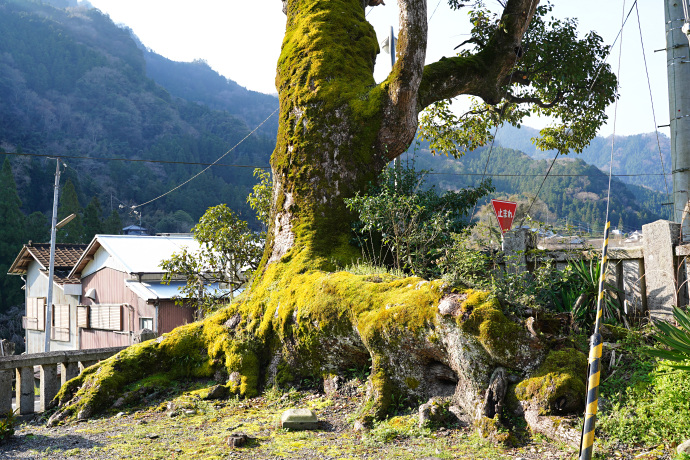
column 200, row 428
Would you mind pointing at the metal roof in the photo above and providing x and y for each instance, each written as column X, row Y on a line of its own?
column 156, row 291
column 136, row 253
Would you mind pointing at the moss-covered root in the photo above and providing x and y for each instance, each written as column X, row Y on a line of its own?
column 379, row 395
column 556, row 390
column 198, row 350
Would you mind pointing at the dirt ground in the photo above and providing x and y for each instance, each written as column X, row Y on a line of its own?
column 187, row 427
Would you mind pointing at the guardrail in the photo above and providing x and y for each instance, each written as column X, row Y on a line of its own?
column 71, row 364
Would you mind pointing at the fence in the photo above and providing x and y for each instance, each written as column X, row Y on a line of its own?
column 652, row 277
column 71, row 363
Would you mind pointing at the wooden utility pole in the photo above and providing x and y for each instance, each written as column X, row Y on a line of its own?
column 678, row 68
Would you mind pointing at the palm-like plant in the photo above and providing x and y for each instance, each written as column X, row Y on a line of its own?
column 584, row 309
column 677, row 339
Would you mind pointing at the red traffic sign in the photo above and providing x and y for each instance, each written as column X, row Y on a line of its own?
column 505, row 213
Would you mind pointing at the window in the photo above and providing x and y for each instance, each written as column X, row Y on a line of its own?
column 83, row 316
column 146, row 323
column 60, row 327
column 105, row 316
column 35, row 314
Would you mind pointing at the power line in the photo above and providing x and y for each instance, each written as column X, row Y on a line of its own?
column 651, row 98
column 544, row 175
column 136, row 160
column 209, row 166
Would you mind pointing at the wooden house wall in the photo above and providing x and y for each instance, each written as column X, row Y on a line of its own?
column 170, row 316
column 37, row 286
column 110, row 288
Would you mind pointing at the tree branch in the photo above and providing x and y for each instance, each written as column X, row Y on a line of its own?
column 402, row 85
column 535, row 100
column 484, row 73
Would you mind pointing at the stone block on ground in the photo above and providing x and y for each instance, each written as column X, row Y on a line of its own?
column 299, row 419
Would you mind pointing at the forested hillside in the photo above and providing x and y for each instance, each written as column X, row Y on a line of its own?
column 574, row 190
column 73, row 83
column 636, row 155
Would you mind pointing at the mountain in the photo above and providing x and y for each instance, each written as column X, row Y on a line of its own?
column 197, row 82
column 73, row 83
column 636, row 154
column 574, row 190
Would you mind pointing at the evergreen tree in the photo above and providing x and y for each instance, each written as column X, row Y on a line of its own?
column 38, row 227
column 69, row 204
column 113, row 224
column 93, row 222
column 12, row 236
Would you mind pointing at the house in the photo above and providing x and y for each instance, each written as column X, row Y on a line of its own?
column 32, row 265
column 135, row 230
column 107, row 291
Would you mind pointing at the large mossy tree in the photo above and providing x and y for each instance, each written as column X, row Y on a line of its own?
column 301, row 318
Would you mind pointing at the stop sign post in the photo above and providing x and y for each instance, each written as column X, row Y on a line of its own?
column 505, row 213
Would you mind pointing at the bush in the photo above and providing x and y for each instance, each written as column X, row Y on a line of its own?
column 408, row 227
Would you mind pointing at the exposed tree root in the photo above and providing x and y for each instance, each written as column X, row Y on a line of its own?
column 423, row 340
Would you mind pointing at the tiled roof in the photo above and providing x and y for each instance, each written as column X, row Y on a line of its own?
column 66, row 255
column 62, row 277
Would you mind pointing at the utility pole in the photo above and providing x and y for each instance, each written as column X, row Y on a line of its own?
column 388, row 46
column 51, row 268
column 678, row 68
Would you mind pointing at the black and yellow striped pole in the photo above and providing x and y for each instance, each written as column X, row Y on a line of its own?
column 587, row 441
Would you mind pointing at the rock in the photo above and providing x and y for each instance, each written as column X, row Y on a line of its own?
column 434, row 412
column 153, row 436
column 119, row 414
column 119, row 403
column 684, row 448
column 144, row 335
column 236, row 439
column 217, row 392
column 189, row 412
column 331, row 384
column 299, row 419
column 173, row 413
column 235, row 378
column 359, row 426
column 451, row 304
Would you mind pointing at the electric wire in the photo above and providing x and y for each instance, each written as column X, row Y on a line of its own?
column 208, row 167
column 434, row 12
column 268, row 167
column 651, row 98
column 135, row 160
column 596, row 77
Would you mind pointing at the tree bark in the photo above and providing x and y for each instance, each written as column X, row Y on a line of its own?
column 338, row 129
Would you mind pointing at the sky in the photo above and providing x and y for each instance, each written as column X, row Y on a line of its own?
column 241, row 40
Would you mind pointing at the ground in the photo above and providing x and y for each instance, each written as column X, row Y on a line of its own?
column 184, row 426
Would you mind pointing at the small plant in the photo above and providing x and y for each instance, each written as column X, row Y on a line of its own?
column 586, row 287
column 677, row 339
column 7, row 426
